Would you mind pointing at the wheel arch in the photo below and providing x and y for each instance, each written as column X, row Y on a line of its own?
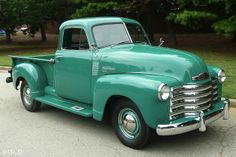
column 33, row 74
column 111, row 103
column 142, row 92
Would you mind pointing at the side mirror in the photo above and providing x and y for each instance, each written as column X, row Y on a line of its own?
column 94, row 47
column 161, row 42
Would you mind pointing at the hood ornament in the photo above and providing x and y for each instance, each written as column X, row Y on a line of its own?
column 161, row 42
column 201, row 76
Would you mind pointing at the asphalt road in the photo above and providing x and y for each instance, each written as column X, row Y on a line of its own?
column 53, row 132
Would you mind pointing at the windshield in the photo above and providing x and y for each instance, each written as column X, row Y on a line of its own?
column 116, row 33
column 110, row 34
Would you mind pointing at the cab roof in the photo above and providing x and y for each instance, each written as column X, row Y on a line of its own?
column 91, row 21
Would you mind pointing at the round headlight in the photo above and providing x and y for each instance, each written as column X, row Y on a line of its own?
column 221, row 76
column 163, row 92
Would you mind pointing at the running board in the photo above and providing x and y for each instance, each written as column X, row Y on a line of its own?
column 67, row 105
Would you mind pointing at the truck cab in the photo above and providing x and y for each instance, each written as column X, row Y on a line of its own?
column 106, row 66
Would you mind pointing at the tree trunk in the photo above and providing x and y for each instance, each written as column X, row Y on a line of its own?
column 151, row 37
column 8, row 36
column 171, row 34
column 149, row 28
column 43, row 33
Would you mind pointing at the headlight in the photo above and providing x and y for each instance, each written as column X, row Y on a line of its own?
column 221, row 76
column 163, row 92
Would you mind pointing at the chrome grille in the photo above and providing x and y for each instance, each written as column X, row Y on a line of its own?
column 190, row 99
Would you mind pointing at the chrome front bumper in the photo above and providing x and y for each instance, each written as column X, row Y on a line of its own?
column 199, row 122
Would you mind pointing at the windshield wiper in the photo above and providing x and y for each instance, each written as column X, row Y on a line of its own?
column 120, row 43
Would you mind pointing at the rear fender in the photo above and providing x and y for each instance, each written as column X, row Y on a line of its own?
column 33, row 74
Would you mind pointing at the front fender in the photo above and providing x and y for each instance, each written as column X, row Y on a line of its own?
column 33, row 74
column 213, row 71
column 141, row 89
column 214, row 74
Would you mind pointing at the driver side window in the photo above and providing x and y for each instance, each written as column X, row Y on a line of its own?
column 75, row 39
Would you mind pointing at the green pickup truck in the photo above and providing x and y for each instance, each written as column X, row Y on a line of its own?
column 106, row 67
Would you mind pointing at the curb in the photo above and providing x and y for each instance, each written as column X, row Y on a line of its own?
column 232, row 103
column 5, row 67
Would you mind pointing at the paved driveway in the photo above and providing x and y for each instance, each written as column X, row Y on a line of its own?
column 53, row 132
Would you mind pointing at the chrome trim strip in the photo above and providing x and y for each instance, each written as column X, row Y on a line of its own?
column 191, row 104
column 193, row 86
column 201, row 76
column 190, row 110
column 198, row 123
column 192, row 99
column 192, row 93
column 210, row 83
column 126, row 29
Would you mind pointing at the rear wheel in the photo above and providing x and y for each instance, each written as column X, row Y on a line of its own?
column 26, row 97
column 129, row 125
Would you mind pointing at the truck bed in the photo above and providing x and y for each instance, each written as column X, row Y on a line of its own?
column 42, row 58
column 42, row 61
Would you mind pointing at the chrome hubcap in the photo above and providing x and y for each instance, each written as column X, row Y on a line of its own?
column 27, row 95
column 129, row 123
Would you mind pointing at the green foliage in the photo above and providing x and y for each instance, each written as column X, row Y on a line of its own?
column 34, row 13
column 38, row 13
column 226, row 26
column 196, row 13
column 132, row 8
column 192, row 19
column 11, row 14
column 137, row 6
column 90, row 9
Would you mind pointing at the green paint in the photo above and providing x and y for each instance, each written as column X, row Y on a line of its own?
column 89, row 78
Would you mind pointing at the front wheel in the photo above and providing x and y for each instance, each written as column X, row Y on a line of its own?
column 29, row 103
column 129, row 125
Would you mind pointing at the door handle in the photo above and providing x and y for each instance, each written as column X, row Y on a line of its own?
column 51, row 61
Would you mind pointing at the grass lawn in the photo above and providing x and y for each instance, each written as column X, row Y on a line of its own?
column 6, row 61
column 22, row 45
column 224, row 60
column 213, row 49
column 216, row 51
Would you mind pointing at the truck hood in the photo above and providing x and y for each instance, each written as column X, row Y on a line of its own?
column 152, row 60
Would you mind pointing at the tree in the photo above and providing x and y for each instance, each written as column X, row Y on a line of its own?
column 227, row 25
column 11, row 13
column 196, row 14
column 39, row 12
column 155, row 8
column 63, row 9
column 96, row 8
column 33, row 13
column 130, row 8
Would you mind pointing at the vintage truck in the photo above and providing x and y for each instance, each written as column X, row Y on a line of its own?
column 106, row 67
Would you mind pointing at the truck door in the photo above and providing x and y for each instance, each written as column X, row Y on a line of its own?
column 73, row 66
